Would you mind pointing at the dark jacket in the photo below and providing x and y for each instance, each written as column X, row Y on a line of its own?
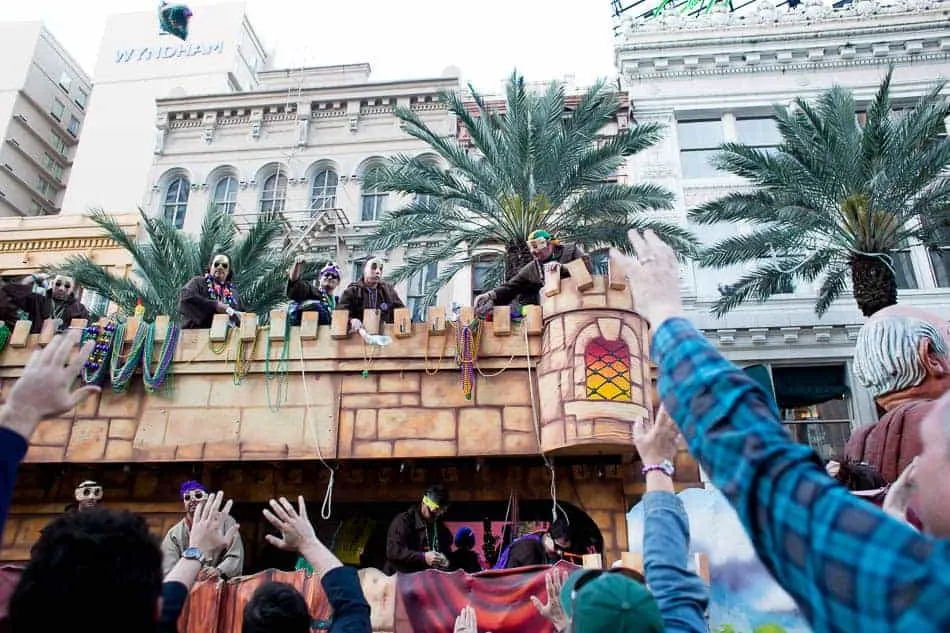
column 526, row 552
column 527, row 282
column 466, row 560
column 357, row 297
column 410, row 537
column 346, row 598
column 195, row 308
column 41, row 307
column 300, row 292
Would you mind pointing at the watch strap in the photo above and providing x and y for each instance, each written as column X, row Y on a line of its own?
column 665, row 467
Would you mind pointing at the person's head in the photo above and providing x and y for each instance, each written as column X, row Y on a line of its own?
column 220, row 268
column 61, row 286
column 88, row 494
column 81, row 555
column 541, row 244
column 897, row 354
column 557, row 539
column 609, row 600
column 933, row 469
column 329, row 277
column 855, row 476
column 276, row 607
column 373, row 272
column 465, row 539
column 434, row 502
column 193, row 493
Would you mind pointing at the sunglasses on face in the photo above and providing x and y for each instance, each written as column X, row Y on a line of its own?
column 328, row 276
column 537, row 245
column 90, row 491
column 63, row 284
column 195, row 495
column 220, row 264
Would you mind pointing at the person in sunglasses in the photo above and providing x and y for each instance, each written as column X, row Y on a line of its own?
column 537, row 548
column 88, row 495
column 209, row 294
column 317, row 297
column 57, row 302
column 417, row 538
column 227, row 564
column 526, row 284
column 368, row 293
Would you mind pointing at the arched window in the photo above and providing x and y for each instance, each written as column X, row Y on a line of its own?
column 372, row 205
column 176, row 201
column 225, row 194
column 274, row 194
column 608, row 370
column 323, row 191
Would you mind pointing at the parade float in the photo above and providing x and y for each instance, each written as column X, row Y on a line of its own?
column 512, row 416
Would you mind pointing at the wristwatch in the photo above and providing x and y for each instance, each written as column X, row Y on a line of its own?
column 666, row 467
column 193, row 553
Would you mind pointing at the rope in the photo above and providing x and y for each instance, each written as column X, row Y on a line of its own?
column 326, row 509
column 537, row 431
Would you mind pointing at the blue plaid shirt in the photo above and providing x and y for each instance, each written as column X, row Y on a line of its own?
column 849, row 566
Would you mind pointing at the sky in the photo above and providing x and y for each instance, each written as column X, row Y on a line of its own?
column 401, row 39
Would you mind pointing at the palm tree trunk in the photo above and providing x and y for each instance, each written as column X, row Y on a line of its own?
column 875, row 286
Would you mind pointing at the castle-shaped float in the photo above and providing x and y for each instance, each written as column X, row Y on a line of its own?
column 265, row 411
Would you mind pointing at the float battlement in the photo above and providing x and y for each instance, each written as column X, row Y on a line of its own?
column 576, row 379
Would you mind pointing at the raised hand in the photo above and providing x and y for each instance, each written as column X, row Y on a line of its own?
column 207, row 527
column 653, row 276
column 44, row 390
column 553, row 611
column 296, row 531
column 656, row 440
column 466, row 621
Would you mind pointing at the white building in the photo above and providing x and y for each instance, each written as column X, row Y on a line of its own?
column 135, row 67
column 712, row 78
column 43, row 101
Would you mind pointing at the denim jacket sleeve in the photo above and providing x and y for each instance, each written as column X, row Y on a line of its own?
column 680, row 594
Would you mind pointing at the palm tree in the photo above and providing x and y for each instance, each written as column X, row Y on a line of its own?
column 836, row 199
column 539, row 164
column 169, row 258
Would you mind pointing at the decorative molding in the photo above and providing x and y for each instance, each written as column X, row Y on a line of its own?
column 816, row 337
column 209, row 122
column 257, row 120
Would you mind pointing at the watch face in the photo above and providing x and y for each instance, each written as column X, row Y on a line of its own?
column 192, row 553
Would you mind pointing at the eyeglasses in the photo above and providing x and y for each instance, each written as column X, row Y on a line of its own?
column 331, row 276
column 220, row 263
column 195, row 495
column 63, row 284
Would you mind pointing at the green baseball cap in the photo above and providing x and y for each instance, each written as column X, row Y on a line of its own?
column 610, row 603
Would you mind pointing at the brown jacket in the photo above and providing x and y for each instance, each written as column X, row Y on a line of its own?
column 891, row 443
column 41, row 307
column 410, row 537
column 196, row 310
column 528, row 281
column 358, row 297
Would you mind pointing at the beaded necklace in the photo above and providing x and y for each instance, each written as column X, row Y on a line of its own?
column 95, row 368
column 226, row 293
column 154, row 381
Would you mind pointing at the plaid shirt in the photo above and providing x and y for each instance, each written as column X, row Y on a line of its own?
column 849, row 566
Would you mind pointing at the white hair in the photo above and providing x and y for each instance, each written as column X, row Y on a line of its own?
column 886, row 357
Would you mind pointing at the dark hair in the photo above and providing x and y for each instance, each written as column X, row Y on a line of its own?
column 857, row 476
column 276, row 607
column 560, row 529
column 439, row 494
column 100, row 553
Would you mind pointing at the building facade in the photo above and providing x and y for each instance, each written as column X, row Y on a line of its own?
column 44, row 95
column 713, row 78
column 135, row 67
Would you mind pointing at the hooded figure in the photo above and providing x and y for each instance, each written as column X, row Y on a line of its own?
column 58, row 302
column 368, row 293
column 310, row 297
column 209, row 294
column 527, row 283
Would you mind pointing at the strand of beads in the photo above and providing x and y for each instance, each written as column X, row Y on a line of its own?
column 465, row 345
column 121, row 374
column 95, row 367
column 281, row 375
column 4, row 336
column 154, row 382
